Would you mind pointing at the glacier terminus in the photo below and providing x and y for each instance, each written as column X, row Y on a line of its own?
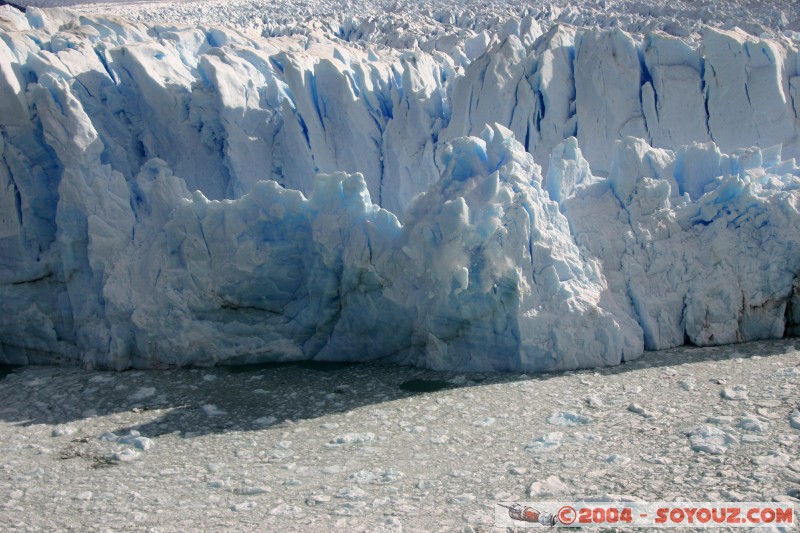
column 546, row 197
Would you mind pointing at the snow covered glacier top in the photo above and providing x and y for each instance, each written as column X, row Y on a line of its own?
column 442, row 24
column 555, row 197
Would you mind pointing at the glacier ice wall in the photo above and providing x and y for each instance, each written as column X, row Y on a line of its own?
column 186, row 195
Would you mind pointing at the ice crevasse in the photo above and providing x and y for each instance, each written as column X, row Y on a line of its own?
column 180, row 195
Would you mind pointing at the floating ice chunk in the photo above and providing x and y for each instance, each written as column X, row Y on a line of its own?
column 639, row 410
column 363, row 476
column 254, row 490
column 607, row 497
column 545, row 443
column 568, row 418
column 552, row 486
column 212, row 410
column 390, row 475
column 617, row 459
column 752, row 423
column 352, row 493
column 264, row 421
column 463, row 499
column 142, row 393
column 133, row 438
column 788, row 372
column 657, row 459
column 62, row 430
column 352, row 438
column 586, row 438
column 594, row 401
column 710, row 439
column 724, row 420
column 125, row 455
column 735, row 393
column 285, row 509
column 794, row 419
column 318, row 499
column 244, row 506
column 773, row 458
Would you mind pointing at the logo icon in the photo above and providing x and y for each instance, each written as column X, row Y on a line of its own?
column 567, row 515
column 523, row 513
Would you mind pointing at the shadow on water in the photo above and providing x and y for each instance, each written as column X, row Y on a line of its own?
column 193, row 402
column 7, row 369
column 425, row 385
column 321, row 366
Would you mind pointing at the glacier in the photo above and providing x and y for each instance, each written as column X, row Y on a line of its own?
column 547, row 198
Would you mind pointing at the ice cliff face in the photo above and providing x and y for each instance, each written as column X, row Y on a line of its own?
column 188, row 195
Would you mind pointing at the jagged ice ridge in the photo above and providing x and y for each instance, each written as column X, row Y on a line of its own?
column 187, row 195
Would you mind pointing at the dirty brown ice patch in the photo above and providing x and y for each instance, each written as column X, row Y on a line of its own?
column 366, row 447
